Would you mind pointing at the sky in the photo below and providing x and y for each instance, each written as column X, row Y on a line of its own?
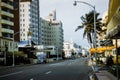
column 70, row 15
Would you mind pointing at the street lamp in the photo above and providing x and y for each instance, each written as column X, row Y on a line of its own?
column 13, row 49
column 75, row 3
column 57, row 52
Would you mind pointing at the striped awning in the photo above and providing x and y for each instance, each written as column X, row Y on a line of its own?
column 101, row 49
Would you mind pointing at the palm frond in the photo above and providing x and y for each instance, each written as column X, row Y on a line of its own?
column 88, row 25
column 89, row 38
column 79, row 27
column 83, row 19
column 84, row 33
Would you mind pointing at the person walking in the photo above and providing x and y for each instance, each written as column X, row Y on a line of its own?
column 109, row 61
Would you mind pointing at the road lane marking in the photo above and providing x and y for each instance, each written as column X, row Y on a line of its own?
column 56, row 64
column 48, row 72
column 11, row 74
column 31, row 79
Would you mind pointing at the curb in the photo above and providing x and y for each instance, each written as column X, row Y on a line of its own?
column 6, row 67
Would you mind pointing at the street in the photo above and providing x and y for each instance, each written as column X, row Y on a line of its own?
column 76, row 69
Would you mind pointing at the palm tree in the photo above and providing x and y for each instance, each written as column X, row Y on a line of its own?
column 88, row 25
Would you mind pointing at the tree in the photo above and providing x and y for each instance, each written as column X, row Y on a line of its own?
column 88, row 25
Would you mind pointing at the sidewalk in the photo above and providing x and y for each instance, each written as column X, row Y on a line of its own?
column 105, row 75
column 102, row 73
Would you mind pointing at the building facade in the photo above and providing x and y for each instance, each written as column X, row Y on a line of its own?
column 113, row 29
column 52, row 32
column 6, row 24
column 16, row 20
column 29, row 20
column 70, row 47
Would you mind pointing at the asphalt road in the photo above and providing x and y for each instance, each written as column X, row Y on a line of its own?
column 76, row 69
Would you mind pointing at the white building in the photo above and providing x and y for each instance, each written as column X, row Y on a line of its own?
column 71, row 47
column 51, row 33
column 29, row 20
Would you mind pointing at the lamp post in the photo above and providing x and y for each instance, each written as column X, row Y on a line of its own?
column 6, row 50
column 94, row 41
column 57, row 52
column 13, row 49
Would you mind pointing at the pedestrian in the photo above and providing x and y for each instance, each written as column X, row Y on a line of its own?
column 109, row 61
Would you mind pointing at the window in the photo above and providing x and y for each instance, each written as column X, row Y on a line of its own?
column 23, row 29
column 16, row 45
column 20, row 29
column 23, row 34
column 28, row 4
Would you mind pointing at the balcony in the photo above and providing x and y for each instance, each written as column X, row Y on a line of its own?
column 7, row 22
column 7, row 14
column 7, row 5
column 7, row 31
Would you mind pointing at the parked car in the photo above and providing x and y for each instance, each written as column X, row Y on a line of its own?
column 41, row 59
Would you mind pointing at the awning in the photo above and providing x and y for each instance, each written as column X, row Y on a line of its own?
column 113, row 27
column 101, row 49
